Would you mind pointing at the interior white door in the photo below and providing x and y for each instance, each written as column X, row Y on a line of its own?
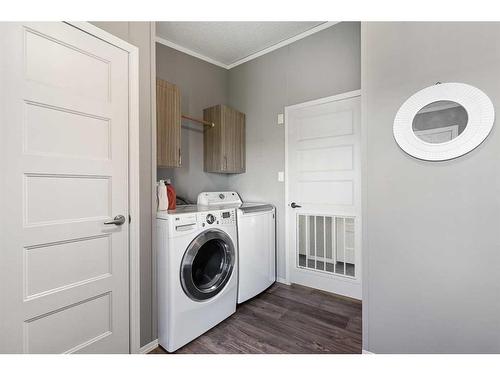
column 324, row 192
column 64, row 159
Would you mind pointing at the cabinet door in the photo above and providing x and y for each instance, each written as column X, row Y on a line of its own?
column 239, row 139
column 213, row 159
column 224, row 144
column 233, row 140
column 168, row 128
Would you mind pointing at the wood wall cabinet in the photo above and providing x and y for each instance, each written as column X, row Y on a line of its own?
column 168, row 124
column 224, row 144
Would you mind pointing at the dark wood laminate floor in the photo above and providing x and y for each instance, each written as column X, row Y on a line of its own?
column 285, row 319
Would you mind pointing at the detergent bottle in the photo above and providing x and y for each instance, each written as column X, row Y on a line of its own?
column 162, row 196
column 172, row 197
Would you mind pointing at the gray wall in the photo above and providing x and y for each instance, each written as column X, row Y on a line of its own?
column 202, row 85
column 323, row 64
column 139, row 34
column 431, row 245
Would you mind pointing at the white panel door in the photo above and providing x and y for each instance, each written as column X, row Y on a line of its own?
column 64, row 162
column 324, row 193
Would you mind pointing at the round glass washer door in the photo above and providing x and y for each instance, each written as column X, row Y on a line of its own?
column 207, row 265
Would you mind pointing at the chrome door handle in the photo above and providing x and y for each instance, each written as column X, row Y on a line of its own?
column 295, row 205
column 118, row 220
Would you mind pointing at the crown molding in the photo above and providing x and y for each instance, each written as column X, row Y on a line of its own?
column 187, row 51
column 283, row 43
column 274, row 47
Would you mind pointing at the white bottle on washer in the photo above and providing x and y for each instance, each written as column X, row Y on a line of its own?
column 161, row 192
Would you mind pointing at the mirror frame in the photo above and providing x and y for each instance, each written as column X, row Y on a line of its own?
column 480, row 112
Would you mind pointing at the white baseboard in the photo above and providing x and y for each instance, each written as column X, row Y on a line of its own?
column 366, row 352
column 148, row 347
column 282, row 281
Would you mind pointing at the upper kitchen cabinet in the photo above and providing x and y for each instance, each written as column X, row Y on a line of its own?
column 224, row 143
column 168, row 124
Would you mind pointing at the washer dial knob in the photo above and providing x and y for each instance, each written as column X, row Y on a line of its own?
column 210, row 219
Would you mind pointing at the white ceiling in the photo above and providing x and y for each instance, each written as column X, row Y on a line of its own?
column 229, row 43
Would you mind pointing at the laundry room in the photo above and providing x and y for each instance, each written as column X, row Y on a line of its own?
column 221, row 139
column 209, row 185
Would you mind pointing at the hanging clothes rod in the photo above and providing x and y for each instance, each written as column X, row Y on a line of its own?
column 207, row 123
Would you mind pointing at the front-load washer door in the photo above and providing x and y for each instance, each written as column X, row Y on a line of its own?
column 207, row 265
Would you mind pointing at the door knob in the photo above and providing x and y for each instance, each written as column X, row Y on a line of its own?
column 118, row 220
column 295, row 205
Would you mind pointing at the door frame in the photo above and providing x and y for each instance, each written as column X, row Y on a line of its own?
column 345, row 95
column 133, row 176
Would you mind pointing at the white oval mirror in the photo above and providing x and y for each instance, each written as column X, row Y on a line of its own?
column 443, row 121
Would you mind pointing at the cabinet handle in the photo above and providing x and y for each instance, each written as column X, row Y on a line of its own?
column 180, row 157
column 225, row 163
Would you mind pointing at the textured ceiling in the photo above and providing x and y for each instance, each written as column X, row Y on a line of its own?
column 228, row 42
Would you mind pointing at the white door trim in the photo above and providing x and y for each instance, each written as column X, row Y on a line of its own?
column 154, row 179
column 134, row 203
column 346, row 95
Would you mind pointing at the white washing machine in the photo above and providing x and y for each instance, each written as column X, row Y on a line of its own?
column 197, row 272
column 256, row 241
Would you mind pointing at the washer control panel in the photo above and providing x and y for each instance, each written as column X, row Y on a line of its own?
column 227, row 217
column 222, row 217
column 210, row 219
